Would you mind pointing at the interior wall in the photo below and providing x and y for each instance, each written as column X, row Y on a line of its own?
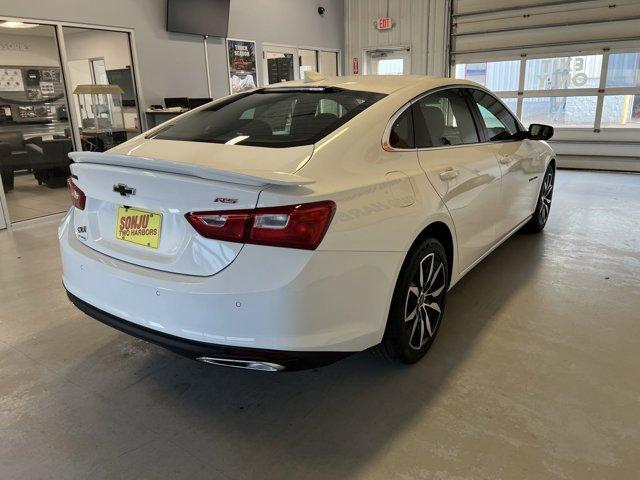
column 172, row 64
column 420, row 25
column 286, row 22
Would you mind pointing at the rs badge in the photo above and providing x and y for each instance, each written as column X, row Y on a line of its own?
column 225, row 200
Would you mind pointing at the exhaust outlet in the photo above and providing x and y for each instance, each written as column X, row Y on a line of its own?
column 247, row 364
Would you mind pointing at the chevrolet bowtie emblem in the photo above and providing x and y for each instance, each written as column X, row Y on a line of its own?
column 124, row 190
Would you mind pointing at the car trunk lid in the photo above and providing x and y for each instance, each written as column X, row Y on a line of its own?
column 136, row 205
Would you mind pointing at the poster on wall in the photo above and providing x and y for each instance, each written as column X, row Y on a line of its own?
column 241, row 55
column 11, row 80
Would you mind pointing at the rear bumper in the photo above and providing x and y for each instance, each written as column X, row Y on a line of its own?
column 288, row 360
column 268, row 298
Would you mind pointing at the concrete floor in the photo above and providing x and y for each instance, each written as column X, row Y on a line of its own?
column 535, row 375
column 29, row 200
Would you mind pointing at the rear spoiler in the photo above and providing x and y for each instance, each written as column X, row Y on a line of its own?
column 243, row 177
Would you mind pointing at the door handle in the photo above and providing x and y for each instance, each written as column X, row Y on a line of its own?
column 504, row 159
column 449, row 174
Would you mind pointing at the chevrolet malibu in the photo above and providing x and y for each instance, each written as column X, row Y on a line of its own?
column 288, row 227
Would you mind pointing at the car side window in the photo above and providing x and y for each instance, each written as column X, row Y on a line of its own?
column 327, row 105
column 401, row 135
column 443, row 118
column 275, row 118
column 499, row 123
column 248, row 114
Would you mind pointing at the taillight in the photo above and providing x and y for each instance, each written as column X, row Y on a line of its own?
column 296, row 226
column 78, row 198
column 229, row 226
column 293, row 226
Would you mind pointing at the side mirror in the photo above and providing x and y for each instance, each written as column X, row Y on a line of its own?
column 538, row 131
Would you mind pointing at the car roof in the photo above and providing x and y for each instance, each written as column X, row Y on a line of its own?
column 386, row 84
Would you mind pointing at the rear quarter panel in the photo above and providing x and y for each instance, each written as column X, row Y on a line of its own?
column 383, row 198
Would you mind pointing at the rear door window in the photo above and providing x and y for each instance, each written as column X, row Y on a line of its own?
column 279, row 117
column 442, row 119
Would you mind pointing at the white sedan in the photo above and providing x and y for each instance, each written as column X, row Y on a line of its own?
column 293, row 225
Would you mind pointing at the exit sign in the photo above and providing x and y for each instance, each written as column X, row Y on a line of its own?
column 384, row 23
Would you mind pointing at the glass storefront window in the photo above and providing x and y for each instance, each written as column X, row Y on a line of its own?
column 623, row 70
column 560, row 73
column 579, row 111
column 37, row 120
column 35, row 133
column 390, row 66
column 621, row 111
column 280, row 67
column 102, row 57
column 328, row 63
column 308, row 61
column 497, row 76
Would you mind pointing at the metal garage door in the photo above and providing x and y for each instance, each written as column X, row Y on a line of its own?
column 573, row 64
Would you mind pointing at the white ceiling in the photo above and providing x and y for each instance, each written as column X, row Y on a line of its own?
column 39, row 31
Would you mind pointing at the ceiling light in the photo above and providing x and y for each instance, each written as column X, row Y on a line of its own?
column 18, row 25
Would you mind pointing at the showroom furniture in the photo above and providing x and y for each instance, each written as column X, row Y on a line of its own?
column 101, row 140
column 173, row 107
column 156, row 117
column 102, row 116
column 198, row 102
column 5, row 170
column 50, row 161
column 13, row 156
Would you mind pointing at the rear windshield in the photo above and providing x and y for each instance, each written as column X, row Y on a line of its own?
column 273, row 117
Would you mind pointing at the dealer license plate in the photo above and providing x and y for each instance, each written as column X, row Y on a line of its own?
column 138, row 226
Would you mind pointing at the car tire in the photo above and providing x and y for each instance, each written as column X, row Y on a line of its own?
column 417, row 307
column 543, row 206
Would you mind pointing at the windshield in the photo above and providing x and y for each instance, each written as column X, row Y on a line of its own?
column 279, row 117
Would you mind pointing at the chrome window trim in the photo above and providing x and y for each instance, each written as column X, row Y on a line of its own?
column 386, row 146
